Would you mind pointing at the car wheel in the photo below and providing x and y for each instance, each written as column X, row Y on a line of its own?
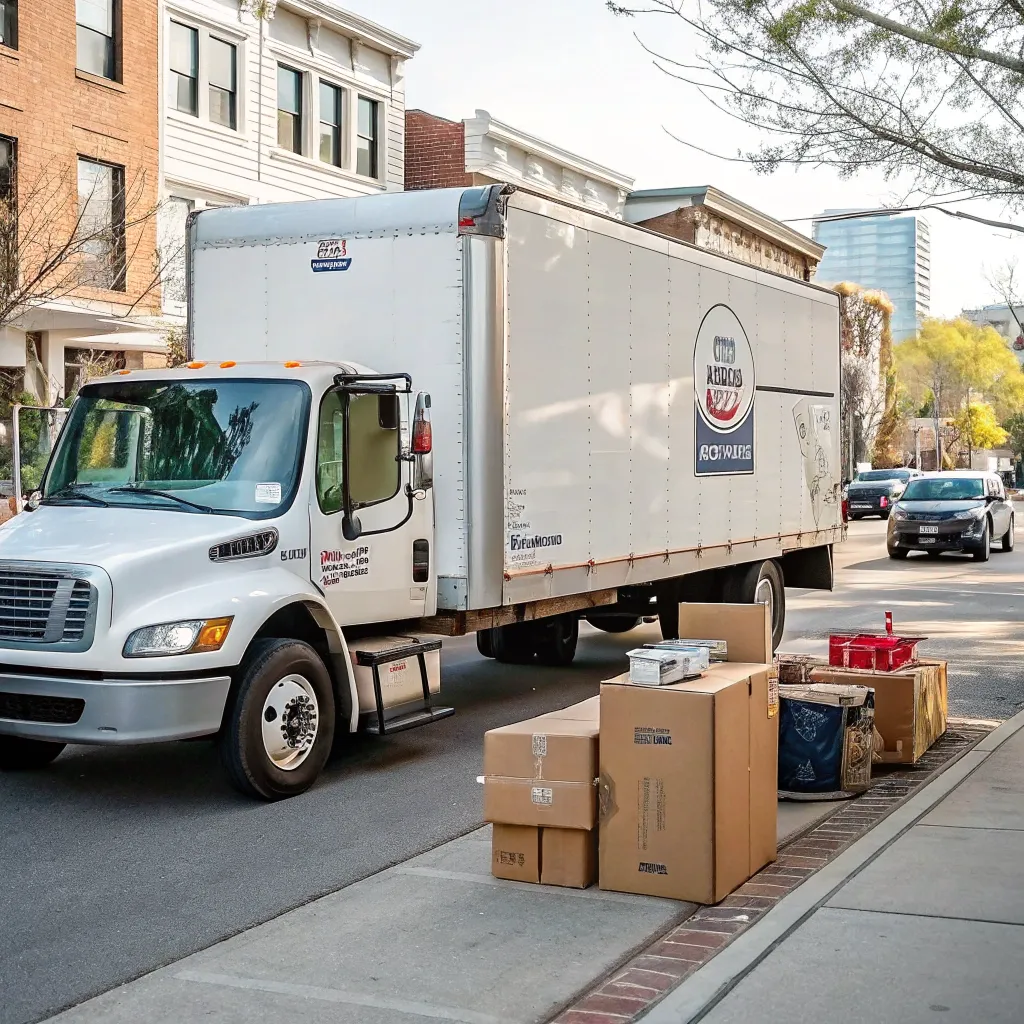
column 985, row 548
column 20, row 754
column 279, row 725
column 854, row 516
column 1007, row 542
column 898, row 553
column 883, row 516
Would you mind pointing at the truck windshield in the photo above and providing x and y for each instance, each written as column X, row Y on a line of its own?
column 232, row 447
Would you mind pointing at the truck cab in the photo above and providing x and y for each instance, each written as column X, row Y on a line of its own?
column 203, row 540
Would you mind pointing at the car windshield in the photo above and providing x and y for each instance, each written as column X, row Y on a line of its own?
column 966, row 488
column 875, row 475
column 230, row 447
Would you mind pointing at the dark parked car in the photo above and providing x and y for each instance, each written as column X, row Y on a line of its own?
column 875, row 491
column 956, row 511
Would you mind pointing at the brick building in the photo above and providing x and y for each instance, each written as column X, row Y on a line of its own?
column 481, row 150
column 713, row 220
column 79, row 145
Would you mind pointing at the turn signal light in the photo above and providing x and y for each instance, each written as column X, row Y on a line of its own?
column 196, row 366
column 228, row 364
column 291, row 364
column 212, row 636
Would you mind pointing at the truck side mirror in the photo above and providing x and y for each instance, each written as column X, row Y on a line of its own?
column 351, row 528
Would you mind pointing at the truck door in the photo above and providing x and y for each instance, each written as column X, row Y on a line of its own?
column 372, row 561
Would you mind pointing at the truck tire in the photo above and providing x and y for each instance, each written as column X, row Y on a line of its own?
column 556, row 641
column 20, row 754
column 279, row 722
column 485, row 642
column 614, row 623
column 515, row 644
column 760, row 581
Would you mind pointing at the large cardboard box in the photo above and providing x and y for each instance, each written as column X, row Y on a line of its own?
column 688, row 784
column 568, row 857
column 542, row 772
column 746, row 628
column 586, row 711
column 515, row 852
column 910, row 706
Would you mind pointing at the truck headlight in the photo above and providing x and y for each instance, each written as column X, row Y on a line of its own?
column 193, row 636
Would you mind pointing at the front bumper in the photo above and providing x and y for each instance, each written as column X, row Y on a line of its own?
column 958, row 535
column 110, row 711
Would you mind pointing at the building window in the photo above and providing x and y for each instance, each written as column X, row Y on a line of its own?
column 330, row 124
column 184, row 69
column 222, row 67
column 9, row 23
column 101, row 223
column 366, row 138
column 6, row 169
column 289, row 109
column 96, row 37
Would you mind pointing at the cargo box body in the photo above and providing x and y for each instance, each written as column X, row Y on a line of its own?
column 610, row 407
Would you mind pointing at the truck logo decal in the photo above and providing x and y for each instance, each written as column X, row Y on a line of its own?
column 331, row 254
column 336, row 566
column 723, row 381
column 517, row 542
column 293, row 553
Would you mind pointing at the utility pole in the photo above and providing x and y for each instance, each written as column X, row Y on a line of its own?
column 936, row 387
column 970, row 431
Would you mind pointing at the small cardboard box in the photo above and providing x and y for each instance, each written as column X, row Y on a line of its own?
column 515, row 852
column 542, row 772
column 688, row 783
column 745, row 628
column 568, row 857
column 910, row 706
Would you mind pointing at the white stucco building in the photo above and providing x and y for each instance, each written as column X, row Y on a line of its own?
column 305, row 102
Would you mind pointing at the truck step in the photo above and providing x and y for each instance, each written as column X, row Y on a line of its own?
column 412, row 720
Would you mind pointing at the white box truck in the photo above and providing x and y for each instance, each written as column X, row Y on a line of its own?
column 407, row 415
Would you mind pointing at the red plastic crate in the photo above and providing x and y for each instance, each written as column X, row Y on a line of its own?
column 879, row 653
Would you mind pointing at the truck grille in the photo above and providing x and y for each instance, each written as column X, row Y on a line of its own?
column 43, row 608
column 23, row 707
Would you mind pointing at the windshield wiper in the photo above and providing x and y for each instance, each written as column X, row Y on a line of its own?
column 161, row 494
column 74, row 491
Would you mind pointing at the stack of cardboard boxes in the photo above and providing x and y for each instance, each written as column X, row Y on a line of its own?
column 675, row 785
column 540, row 791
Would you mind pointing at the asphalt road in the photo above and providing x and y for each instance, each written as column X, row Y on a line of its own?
column 115, row 862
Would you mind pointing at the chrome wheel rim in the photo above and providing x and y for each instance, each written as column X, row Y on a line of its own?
column 290, row 721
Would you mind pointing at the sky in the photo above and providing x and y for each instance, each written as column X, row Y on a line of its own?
column 573, row 74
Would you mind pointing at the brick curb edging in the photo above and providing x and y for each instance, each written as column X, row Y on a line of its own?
column 635, row 986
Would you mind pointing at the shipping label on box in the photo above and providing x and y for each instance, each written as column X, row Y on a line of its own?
column 515, row 853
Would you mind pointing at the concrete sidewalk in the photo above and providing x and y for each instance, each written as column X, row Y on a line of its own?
column 922, row 920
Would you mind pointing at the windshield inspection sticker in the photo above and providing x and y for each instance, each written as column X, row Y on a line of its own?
column 336, row 566
column 331, row 254
column 268, row 494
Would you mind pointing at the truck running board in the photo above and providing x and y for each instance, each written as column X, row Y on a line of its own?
column 410, row 720
column 383, row 723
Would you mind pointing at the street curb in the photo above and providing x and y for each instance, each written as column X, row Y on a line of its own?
column 706, row 987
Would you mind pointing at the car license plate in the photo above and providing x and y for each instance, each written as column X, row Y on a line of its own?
column 859, row 505
column 928, row 529
column 926, row 540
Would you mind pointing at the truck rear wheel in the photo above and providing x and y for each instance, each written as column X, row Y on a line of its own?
column 614, row 623
column 279, row 723
column 485, row 642
column 20, row 754
column 760, row 583
column 556, row 641
column 515, row 644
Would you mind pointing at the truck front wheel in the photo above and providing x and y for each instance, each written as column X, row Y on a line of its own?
column 279, row 723
column 19, row 754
